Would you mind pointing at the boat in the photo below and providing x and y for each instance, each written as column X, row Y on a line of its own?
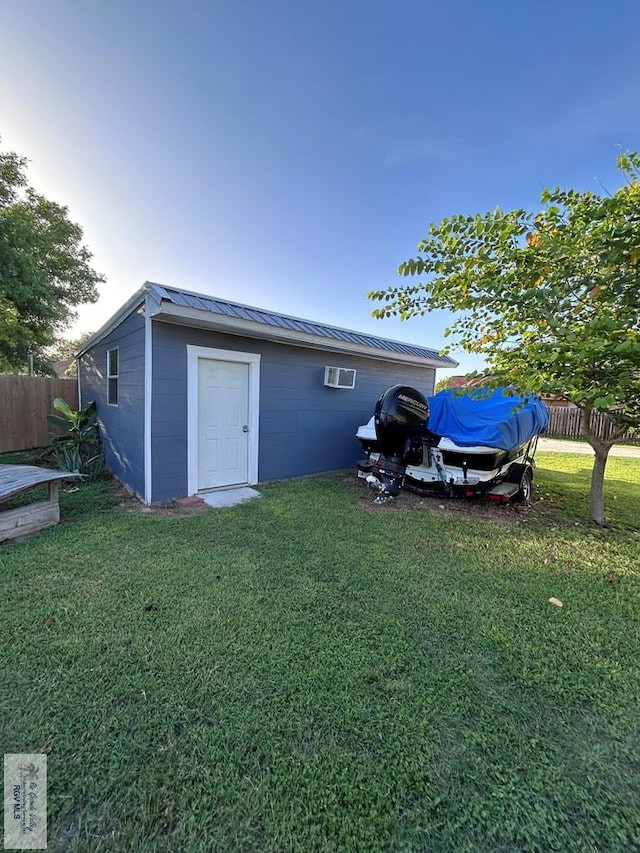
column 475, row 443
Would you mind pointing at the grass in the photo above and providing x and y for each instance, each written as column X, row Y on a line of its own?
column 563, row 479
column 306, row 672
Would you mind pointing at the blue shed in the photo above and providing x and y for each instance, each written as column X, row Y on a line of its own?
column 196, row 393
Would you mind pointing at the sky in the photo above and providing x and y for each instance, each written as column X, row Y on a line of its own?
column 291, row 154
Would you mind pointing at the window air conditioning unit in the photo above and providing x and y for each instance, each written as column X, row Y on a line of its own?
column 339, row 377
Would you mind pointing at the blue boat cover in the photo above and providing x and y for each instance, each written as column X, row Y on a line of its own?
column 494, row 420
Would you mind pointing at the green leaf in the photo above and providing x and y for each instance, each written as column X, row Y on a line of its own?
column 64, row 408
column 54, row 420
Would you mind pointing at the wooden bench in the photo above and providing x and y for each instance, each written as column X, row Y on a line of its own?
column 28, row 519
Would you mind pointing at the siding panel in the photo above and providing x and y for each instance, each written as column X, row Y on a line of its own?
column 122, row 426
column 305, row 428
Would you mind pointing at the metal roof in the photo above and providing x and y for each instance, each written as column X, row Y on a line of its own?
column 202, row 302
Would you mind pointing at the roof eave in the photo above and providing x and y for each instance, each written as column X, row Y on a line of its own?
column 121, row 314
column 183, row 315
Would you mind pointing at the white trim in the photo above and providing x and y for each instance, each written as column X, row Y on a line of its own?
column 115, row 376
column 79, row 383
column 133, row 303
column 199, row 318
column 253, row 360
column 148, row 384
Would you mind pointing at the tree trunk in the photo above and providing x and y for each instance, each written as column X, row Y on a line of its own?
column 596, row 497
column 601, row 449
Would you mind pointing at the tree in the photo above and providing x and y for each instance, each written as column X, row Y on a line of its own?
column 65, row 350
column 442, row 384
column 550, row 298
column 45, row 270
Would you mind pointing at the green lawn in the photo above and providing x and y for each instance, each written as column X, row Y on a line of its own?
column 563, row 479
column 308, row 672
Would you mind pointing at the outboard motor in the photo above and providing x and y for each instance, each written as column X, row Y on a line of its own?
column 401, row 418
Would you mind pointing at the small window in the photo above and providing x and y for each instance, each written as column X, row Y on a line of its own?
column 112, row 376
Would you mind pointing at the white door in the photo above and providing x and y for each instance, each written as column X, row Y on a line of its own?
column 223, row 418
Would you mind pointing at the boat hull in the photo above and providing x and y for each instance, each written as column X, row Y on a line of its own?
column 448, row 468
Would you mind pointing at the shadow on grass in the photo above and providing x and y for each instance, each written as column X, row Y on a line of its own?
column 562, row 494
column 316, row 664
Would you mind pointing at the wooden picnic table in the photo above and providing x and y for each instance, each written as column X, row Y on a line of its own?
column 30, row 518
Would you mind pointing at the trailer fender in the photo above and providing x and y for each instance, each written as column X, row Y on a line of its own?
column 521, row 473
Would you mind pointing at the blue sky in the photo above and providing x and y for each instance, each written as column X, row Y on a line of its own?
column 291, row 154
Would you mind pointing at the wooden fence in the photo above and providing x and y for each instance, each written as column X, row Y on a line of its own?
column 25, row 402
column 564, row 422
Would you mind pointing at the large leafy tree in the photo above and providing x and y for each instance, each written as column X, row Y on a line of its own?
column 45, row 270
column 549, row 298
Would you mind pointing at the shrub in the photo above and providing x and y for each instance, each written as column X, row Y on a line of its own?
column 78, row 449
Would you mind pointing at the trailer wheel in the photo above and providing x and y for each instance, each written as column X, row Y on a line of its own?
column 523, row 495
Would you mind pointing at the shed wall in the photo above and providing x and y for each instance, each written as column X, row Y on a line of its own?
column 305, row 428
column 122, row 426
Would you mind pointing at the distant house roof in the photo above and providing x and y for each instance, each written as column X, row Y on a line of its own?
column 62, row 366
column 456, row 381
column 198, row 309
column 467, row 381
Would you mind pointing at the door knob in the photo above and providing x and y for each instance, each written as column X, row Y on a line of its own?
column 245, row 428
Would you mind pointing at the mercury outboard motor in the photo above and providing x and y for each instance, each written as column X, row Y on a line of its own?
column 401, row 418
